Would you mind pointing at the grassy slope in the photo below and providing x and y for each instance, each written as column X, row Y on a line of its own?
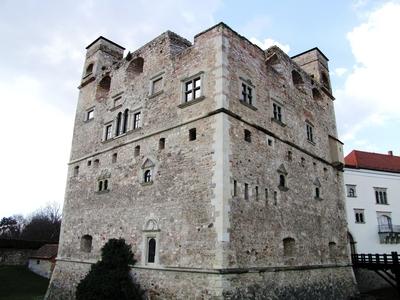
column 18, row 283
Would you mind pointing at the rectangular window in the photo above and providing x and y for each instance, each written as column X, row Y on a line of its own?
column 266, row 194
column 247, row 135
column 351, row 190
column 161, row 144
column 156, row 85
column 90, row 114
column 117, row 102
column 246, row 191
column 234, row 188
column 381, row 195
column 192, row 89
column 108, row 134
column 256, row 190
column 136, row 120
column 359, row 215
column 247, row 94
column 309, row 129
column 277, row 111
column 192, row 134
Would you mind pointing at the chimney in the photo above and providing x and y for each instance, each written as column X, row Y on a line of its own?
column 390, row 153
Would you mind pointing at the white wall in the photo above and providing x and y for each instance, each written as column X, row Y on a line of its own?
column 366, row 234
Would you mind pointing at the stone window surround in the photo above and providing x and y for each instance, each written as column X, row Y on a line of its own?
column 149, row 233
column 105, row 138
column 87, row 114
column 158, row 76
column 361, row 212
column 250, row 85
column 202, row 76
column 348, row 188
column 282, row 120
column 147, row 165
column 310, row 126
column 130, row 124
column 381, row 200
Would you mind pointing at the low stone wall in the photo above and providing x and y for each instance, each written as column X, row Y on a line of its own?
column 368, row 280
column 15, row 257
column 42, row 267
column 324, row 283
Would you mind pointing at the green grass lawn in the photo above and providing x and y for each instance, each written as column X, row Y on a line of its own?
column 18, row 283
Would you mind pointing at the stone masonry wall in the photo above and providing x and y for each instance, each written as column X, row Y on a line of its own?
column 211, row 244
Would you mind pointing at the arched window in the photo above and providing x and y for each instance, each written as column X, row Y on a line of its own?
column 100, row 186
column 317, row 194
column 86, row 243
column 104, row 87
column 106, row 185
column 289, row 247
column 125, row 122
column 296, row 78
column 385, row 223
column 135, row 67
column 332, row 250
column 316, row 94
column 151, row 250
column 118, row 127
column 89, row 69
column 137, row 150
column 352, row 192
column 147, row 176
column 161, row 144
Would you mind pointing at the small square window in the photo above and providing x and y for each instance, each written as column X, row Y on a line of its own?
column 247, row 135
column 192, row 134
column 117, row 102
column 90, row 114
column 89, row 163
column 156, row 86
column 161, row 144
column 351, row 190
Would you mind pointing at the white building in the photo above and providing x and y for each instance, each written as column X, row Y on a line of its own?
column 373, row 201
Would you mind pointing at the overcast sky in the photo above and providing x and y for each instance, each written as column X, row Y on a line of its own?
column 43, row 47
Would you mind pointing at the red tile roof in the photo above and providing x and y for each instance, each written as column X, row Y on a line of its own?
column 373, row 161
column 47, row 251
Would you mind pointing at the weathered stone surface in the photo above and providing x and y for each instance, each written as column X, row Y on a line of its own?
column 212, row 243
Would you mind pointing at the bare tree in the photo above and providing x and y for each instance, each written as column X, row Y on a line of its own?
column 44, row 224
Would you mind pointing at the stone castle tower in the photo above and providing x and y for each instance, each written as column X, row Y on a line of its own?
column 217, row 161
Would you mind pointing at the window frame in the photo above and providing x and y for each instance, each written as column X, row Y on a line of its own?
column 281, row 119
column 108, row 134
column 381, row 197
column 184, row 92
column 249, row 89
column 359, row 216
column 155, row 78
column 310, row 132
column 137, row 124
column 351, row 187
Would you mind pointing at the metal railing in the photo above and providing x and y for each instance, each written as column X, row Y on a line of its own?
column 389, row 228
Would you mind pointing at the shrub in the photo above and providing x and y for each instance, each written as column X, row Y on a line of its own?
column 109, row 278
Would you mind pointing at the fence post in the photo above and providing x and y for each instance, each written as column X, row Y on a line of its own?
column 385, row 258
column 377, row 258
column 395, row 258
